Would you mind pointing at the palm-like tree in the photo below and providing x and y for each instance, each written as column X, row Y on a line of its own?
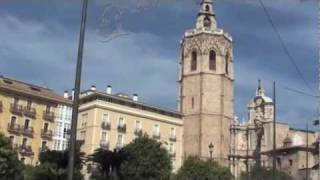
column 107, row 163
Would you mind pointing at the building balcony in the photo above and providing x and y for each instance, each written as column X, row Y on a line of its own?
column 173, row 138
column 46, row 134
column 27, row 131
column 156, row 136
column 80, row 142
column 122, row 128
column 106, row 125
column 172, row 154
column 138, row 132
column 16, row 109
column 1, row 107
column 29, row 112
column 48, row 116
column 119, row 146
column 14, row 129
column 43, row 149
column 25, row 150
column 104, row 144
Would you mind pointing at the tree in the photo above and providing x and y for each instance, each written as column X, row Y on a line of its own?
column 260, row 173
column 10, row 166
column 148, row 160
column 194, row 168
column 106, row 163
column 53, row 166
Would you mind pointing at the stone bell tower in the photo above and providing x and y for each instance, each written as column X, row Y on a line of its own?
column 206, row 87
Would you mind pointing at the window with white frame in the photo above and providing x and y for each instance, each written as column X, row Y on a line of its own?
column 156, row 130
column 104, row 136
column 82, row 135
column 56, row 145
column 84, row 120
column 173, row 133
column 120, row 140
column 121, row 122
column 105, row 118
column 171, row 148
column 138, row 125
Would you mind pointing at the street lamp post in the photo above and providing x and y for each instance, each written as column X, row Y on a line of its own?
column 73, row 135
column 211, row 146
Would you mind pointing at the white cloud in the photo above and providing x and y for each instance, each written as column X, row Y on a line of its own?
column 131, row 63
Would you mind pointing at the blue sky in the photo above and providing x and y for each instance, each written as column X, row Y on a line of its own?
column 39, row 45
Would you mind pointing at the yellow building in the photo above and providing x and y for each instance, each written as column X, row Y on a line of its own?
column 111, row 121
column 27, row 114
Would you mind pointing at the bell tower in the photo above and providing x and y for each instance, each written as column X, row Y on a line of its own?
column 206, row 87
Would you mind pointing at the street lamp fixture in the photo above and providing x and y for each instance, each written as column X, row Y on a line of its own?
column 211, row 146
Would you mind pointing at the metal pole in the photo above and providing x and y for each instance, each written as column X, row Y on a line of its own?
column 75, row 110
column 307, row 154
column 274, row 132
column 318, row 118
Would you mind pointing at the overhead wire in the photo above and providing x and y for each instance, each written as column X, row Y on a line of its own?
column 284, row 47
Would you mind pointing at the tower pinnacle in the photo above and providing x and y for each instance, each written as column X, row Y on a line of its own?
column 206, row 17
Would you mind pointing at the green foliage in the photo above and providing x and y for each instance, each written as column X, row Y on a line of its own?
column 10, row 166
column 53, row 166
column 106, row 163
column 265, row 174
column 147, row 160
column 196, row 169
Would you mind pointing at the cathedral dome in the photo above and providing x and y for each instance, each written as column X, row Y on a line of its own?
column 287, row 141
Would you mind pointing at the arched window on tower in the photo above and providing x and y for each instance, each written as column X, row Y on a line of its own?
column 207, row 8
column 194, row 61
column 227, row 63
column 212, row 60
column 207, row 22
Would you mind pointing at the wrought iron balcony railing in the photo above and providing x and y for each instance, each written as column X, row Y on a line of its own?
column 156, row 135
column 16, row 109
column 46, row 134
column 29, row 112
column 173, row 138
column 27, row 131
column 104, row 144
column 122, row 128
column 48, row 116
column 172, row 154
column 106, row 125
column 25, row 150
column 14, row 128
column 138, row 132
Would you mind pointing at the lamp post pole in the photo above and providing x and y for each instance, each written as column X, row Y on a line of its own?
column 73, row 136
column 274, row 156
column 211, row 146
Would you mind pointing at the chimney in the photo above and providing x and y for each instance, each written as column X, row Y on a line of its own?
column 109, row 89
column 93, row 88
column 66, row 94
column 135, row 97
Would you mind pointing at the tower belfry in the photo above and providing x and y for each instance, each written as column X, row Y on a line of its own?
column 206, row 87
column 206, row 17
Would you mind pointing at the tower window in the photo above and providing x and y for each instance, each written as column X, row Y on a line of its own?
column 212, row 60
column 207, row 8
column 227, row 63
column 207, row 22
column 194, row 61
column 192, row 102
